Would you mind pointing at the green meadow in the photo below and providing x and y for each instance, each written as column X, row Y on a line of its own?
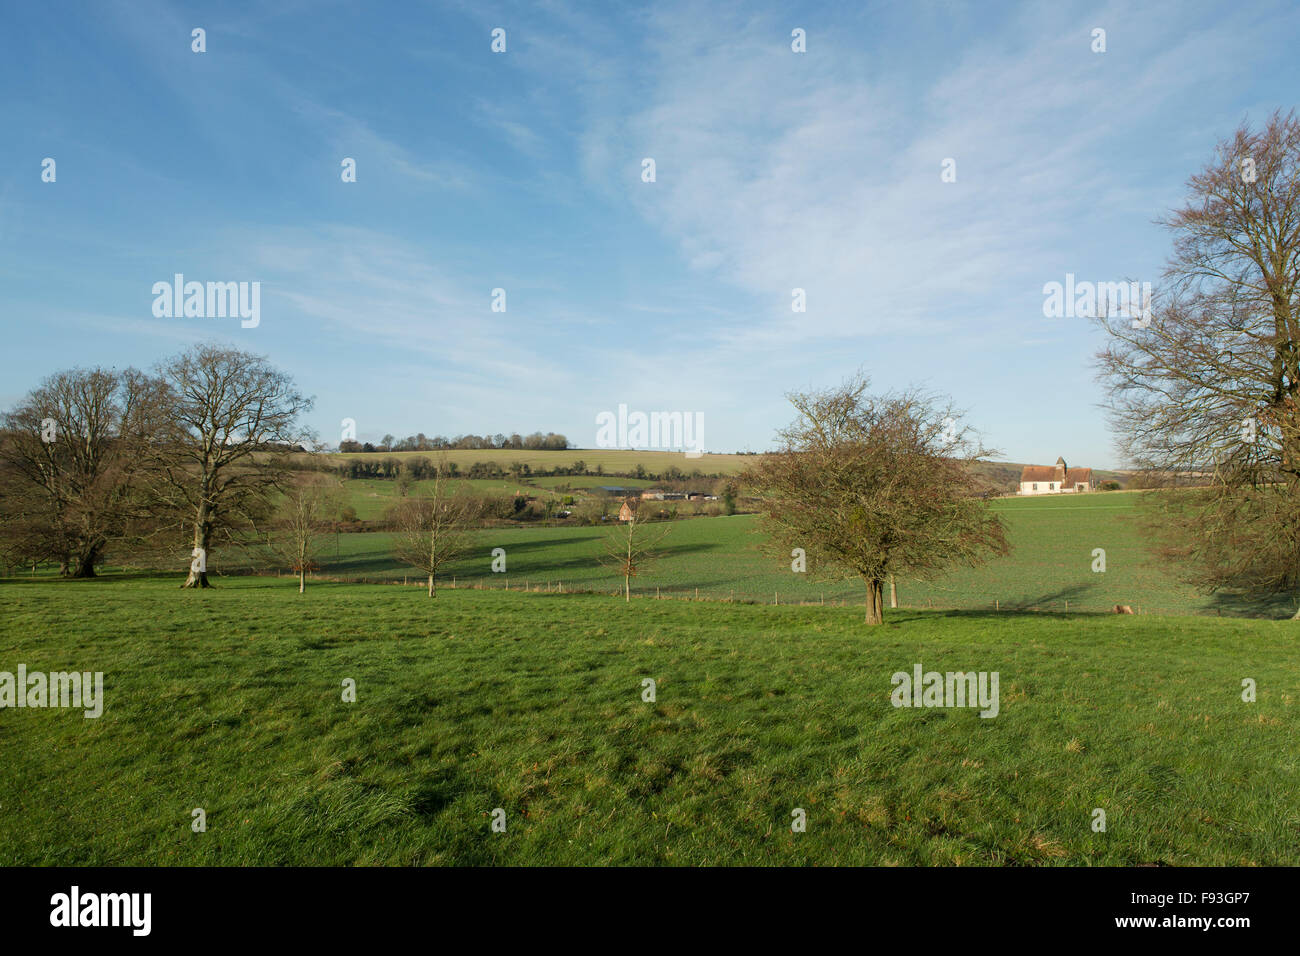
column 230, row 700
column 1050, row 567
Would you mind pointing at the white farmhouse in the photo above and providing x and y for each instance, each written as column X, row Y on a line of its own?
column 1054, row 479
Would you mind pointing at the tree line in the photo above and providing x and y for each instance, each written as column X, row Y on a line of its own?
column 421, row 468
column 195, row 452
column 551, row 441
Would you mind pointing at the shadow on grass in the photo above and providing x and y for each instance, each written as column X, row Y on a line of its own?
column 540, row 544
column 101, row 577
column 519, row 567
column 1047, row 601
column 1237, row 604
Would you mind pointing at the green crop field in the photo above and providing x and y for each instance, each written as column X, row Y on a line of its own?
column 230, row 700
column 370, row 498
column 1050, row 567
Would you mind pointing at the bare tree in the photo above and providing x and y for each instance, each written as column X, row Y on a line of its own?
column 432, row 529
column 234, row 425
column 875, row 486
column 1204, row 390
column 311, row 503
column 70, row 453
column 631, row 547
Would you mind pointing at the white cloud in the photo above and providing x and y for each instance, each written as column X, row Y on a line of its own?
column 777, row 170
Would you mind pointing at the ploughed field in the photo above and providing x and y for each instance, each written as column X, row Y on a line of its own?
column 230, row 700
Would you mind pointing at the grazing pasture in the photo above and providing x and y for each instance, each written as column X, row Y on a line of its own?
column 230, row 700
column 1050, row 567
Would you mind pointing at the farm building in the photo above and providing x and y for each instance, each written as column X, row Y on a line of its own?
column 626, row 512
column 1054, row 479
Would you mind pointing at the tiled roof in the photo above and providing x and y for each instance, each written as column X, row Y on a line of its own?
column 1053, row 473
column 1038, row 473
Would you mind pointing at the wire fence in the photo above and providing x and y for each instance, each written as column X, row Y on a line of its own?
column 775, row 598
column 751, row 595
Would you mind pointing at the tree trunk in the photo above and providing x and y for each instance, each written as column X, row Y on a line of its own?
column 893, row 593
column 875, row 601
column 431, row 586
column 202, row 538
column 302, row 581
column 627, row 589
column 85, row 566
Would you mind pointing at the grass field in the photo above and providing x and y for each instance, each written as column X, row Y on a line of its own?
column 230, row 700
column 1050, row 567
column 370, row 498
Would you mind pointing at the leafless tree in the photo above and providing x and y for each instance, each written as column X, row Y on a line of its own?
column 70, row 455
column 632, row 546
column 233, row 427
column 876, row 486
column 310, row 504
column 432, row 529
column 1203, row 396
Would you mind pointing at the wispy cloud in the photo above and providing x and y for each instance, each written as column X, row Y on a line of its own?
column 779, row 170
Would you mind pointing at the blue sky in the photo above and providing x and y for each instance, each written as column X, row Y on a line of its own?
column 522, row 171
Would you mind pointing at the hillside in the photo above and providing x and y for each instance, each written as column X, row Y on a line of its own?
column 1050, row 567
column 999, row 475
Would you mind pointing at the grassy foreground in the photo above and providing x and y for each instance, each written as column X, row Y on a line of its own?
column 230, row 700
